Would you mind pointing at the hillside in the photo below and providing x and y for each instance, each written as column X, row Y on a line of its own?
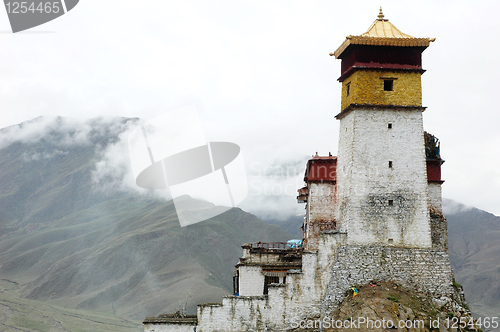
column 474, row 237
column 386, row 306
column 66, row 243
column 18, row 314
column 131, row 260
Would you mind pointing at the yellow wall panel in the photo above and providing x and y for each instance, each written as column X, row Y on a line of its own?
column 366, row 86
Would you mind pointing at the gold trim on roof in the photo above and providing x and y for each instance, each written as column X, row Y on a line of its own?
column 382, row 33
column 380, row 14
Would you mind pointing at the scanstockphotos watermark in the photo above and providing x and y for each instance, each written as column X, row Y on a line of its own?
column 357, row 323
column 25, row 15
column 367, row 323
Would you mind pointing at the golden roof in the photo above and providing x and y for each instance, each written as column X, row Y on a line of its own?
column 382, row 33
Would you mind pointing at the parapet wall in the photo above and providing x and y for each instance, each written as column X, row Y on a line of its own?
column 421, row 270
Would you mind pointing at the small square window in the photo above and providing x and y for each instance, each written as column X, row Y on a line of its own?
column 391, row 202
column 388, row 85
column 348, row 89
column 273, row 280
column 390, row 164
column 389, row 125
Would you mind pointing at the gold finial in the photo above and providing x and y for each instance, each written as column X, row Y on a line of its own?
column 380, row 14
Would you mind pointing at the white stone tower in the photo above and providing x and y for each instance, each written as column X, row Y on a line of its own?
column 382, row 177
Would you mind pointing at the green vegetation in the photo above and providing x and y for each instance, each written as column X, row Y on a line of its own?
column 30, row 324
column 393, row 298
column 32, row 315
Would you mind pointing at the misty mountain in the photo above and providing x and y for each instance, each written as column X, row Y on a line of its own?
column 474, row 246
column 66, row 241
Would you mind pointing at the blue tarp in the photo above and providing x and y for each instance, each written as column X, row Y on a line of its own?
column 294, row 243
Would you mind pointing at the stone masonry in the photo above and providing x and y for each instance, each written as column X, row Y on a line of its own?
column 382, row 182
column 424, row 271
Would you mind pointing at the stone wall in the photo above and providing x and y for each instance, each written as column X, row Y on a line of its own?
column 321, row 201
column 345, row 169
column 439, row 230
column 251, row 280
column 168, row 327
column 321, row 211
column 259, row 256
column 170, row 323
column 435, row 195
column 314, row 229
column 382, row 182
column 421, row 270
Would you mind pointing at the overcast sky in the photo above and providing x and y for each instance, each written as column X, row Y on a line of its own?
column 260, row 75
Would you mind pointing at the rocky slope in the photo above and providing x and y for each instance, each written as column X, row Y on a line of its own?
column 388, row 306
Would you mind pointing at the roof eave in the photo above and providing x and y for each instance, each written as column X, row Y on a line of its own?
column 381, row 41
column 342, row 47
